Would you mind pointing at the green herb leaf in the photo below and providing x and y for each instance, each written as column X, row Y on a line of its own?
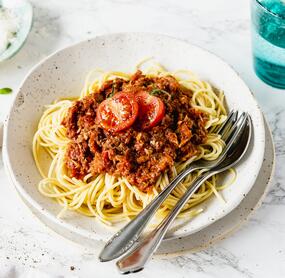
column 5, row 91
column 156, row 92
column 113, row 91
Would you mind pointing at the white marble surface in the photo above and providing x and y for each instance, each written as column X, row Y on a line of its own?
column 222, row 26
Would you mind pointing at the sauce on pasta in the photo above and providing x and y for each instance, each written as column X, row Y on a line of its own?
column 174, row 124
column 139, row 152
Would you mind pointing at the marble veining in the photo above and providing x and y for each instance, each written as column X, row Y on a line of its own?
column 276, row 196
column 213, row 257
column 29, row 249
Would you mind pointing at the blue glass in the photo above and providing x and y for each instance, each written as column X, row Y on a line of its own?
column 268, row 41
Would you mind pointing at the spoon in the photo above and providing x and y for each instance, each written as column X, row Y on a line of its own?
column 138, row 257
column 126, row 238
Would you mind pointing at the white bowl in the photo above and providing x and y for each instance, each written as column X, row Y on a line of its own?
column 62, row 75
column 24, row 12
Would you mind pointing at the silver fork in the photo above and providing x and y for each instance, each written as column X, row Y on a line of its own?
column 138, row 257
column 123, row 240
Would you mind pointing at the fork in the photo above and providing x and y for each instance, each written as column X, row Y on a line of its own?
column 136, row 259
column 123, row 240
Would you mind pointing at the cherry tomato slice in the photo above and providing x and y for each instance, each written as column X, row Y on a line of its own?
column 117, row 113
column 151, row 110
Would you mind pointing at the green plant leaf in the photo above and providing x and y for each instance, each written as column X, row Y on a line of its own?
column 157, row 92
column 113, row 91
column 5, row 91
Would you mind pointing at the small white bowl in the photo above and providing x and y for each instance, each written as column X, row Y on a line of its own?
column 24, row 12
column 62, row 75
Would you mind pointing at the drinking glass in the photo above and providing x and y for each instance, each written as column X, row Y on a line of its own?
column 268, row 41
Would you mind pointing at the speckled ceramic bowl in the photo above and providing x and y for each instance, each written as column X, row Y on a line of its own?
column 62, row 74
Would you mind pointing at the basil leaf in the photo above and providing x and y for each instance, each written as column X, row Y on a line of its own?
column 5, row 91
column 156, row 92
column 112, row 92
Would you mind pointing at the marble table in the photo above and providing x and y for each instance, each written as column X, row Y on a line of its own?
column 29, row 249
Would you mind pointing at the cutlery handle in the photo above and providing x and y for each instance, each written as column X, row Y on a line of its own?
column 136, row 260
column 123, row 240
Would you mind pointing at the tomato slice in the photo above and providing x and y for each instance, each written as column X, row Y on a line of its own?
column 151, row 110
column 117, row 113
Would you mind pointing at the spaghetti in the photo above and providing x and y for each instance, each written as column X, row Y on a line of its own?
column 111, row 198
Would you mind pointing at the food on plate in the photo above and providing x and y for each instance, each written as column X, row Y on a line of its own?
column 114, row 148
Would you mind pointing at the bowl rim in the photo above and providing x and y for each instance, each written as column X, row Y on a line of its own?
column 67, row 225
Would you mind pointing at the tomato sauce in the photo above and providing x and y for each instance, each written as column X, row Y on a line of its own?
column 153, row 127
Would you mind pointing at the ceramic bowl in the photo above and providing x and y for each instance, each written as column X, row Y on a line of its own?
column 24, row 12
column 62, row 75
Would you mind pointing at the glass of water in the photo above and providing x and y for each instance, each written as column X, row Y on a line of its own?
column 268, row 41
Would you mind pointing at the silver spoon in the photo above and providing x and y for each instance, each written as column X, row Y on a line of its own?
column 123, row 240
column 136, row 259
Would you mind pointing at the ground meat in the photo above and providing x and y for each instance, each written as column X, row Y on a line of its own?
column 140, row 156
